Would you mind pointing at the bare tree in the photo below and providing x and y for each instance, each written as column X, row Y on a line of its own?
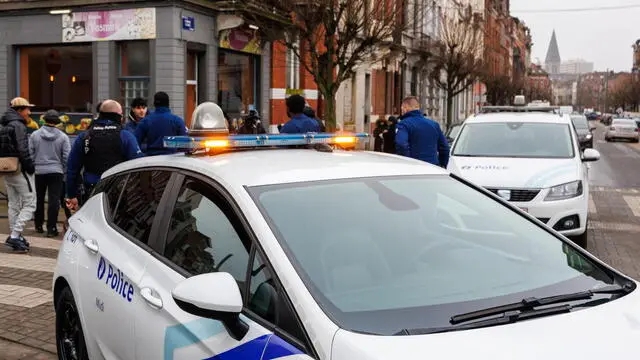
column 331, row 38
column 457, row 64
column 501, row 89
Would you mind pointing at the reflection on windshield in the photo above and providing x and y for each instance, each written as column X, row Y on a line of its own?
column 513, row 139
column 444, row 248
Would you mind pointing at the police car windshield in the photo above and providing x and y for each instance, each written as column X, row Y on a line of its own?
column 515, row 140
column 384, row 254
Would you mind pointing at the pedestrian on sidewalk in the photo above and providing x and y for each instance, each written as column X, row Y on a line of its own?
column 96, row 150
column 14, row 144
column 389, row 136
column 158, row 124
column 419, row 137
column 378, row 134
column 49, row 148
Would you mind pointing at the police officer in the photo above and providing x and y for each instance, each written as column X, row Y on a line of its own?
column 95, row 151
column 299, row 123
column 419, row 137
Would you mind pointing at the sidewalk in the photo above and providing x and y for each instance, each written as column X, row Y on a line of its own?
column 27, row 318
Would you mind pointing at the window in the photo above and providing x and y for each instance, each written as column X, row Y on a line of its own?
column 201, row 237
column 293, row 68
column 138, row 204
column 515, row 140
column 265, row 301
column 134, row 70
column 238, row 76
column 56, row 77
column 437, row 253
column 112, row 187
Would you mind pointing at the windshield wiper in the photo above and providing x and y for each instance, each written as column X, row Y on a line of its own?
column 523, row 310
column 532, row 302
column 507, row 318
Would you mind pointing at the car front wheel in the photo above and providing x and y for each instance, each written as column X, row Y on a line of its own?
column 69, row 336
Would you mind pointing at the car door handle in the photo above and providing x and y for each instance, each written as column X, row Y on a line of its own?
column 92, row 245
column 150, row 296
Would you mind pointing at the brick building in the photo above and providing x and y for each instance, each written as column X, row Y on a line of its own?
column 538, row 84
column 497, row 40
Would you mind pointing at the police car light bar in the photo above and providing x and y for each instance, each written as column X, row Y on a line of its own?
column 261, row 140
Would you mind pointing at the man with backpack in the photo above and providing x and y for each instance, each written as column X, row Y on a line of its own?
column 17, row 168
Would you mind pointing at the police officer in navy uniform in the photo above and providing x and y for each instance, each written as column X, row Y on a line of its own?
column 95, row 151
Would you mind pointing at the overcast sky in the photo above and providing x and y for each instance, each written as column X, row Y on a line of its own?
column 603, row 37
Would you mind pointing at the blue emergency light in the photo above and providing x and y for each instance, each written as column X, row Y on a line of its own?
column 221, row 142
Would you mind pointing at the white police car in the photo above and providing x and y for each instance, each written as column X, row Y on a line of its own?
column 309, row 254
column 532, row 157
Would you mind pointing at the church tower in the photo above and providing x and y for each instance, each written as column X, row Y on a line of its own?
column 552, row 61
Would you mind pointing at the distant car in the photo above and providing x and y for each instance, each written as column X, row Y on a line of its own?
column 532, row 159
column 623, row 129
column 453, row 132
column 583, row 129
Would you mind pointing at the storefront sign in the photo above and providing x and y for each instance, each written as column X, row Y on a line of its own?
column 188, row 23
column 129, row 24
column 241, row 39
column 289, row 92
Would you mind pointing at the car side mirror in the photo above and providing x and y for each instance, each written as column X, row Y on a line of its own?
column 214, row 296
column 590, row 155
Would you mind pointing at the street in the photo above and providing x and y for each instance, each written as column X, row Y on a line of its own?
column 26, row 309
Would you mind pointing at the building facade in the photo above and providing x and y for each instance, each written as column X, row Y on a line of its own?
column 576, row 66
column 69, row 58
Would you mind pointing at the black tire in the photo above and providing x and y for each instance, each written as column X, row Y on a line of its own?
column 581, row 240
column 69, row 336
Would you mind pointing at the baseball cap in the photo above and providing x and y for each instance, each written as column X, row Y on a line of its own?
column 20, row 102
column 52, row 117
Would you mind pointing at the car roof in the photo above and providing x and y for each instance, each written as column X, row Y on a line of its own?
column 541, row 117
column 279, row 166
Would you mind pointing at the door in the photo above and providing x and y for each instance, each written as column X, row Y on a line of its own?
column 200, row 238
column 115, row 237
column 204, row 234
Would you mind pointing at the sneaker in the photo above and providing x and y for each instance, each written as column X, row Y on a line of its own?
column 24, row 240
column 17, row 244
column 39, row 229
column 52, row 233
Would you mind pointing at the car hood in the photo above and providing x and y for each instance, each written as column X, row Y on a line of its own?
column 607, row 331
column 515, row 172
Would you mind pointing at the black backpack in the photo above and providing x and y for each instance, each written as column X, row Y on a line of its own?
column 8, row 146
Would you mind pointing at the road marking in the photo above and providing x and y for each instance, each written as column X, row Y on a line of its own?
column 23, row 296
column 40, row 242
column 634, row 204
column 611, row 226
column 27, row 262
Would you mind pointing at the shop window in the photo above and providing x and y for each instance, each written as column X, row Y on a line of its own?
column 56, row 77
column 238, row 75
column 134, row 71
column 293, row 68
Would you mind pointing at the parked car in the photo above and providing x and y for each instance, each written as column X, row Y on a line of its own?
column 584, row 131
column 531, row 158
column 453, row 132
column 623, row 129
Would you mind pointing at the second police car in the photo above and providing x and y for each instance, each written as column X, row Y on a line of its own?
column 323, row 254
column 532, row 157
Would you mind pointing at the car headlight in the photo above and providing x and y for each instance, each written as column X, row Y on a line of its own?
column 565, row 191
column 588, row 137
